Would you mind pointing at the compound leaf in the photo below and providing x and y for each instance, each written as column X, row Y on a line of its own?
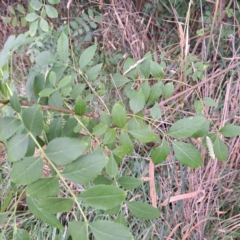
column 64, row 150
column 220, row 149
column 17, row 147
column 87, row 56
column 129, row 183
column 103, row 196
column 187, row 154
column 33, row 119
column 160, row 153
column 107, row 230
column 44, row 187
column 56, row 204
column 230, row 131
column 86, row 167
column 186, row 127
column 78, row 230
column 27, row 170
column 143, row 210
column 43, row 215
column 119, row 116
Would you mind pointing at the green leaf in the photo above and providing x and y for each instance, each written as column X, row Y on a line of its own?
column 130, row 64
column 124, row 139
column 51, row 11
column 33, row 29
column 137, row 101
column 80, row 106
column 27, row 170
column 105, row 118
column 36, row 5
column 66, row 91
column 56, row 204
column 56, row 100
column 78, row 230
column 46, row 92
column 102, row 180
column 159, row 154
column 43, row 25
column 4, row 56
column 68, row 129
column 119, row 116
column 45, row 58
column 14, row 21
column 155, row 111
column 21, row 234
column 112, row 167
column 99, row 129
column 32, row 17
column 187, row 154
column 14, row 102
column 54, row 1
column 55, row 129
column 220, row 150
column 3, row 218
column 137, row 122
column 64, row 150
column 120, row 219
column 146, row 90
column 103, row 196
column 45, row 216
column 155, row 93
column 168, row 90
column 17, row 147
column 5, row 76
column 128, row 90
column 93, row 72
column 129, row 183
column 230, row 131
column 143, row 135
column 11, row 10
column 33, row 119
column 8, row 126
column 10, row 43
column 113, row 210
column 120, row 80
column 186, row 127
column 121, row 150
column 43, row 188
column 77, row 90
column 198, row 106
column 65, row 81
column 86, row 168
column 209, row 102
column 62, row 47
column 87, row 56
column 203, row 130
column 145, row 65
column 110, row 136
column 7, row 20
column 107, row 230
column 156, row 70
column 143, row 210
column 31, row 147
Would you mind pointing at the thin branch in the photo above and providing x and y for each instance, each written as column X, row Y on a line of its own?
column 51, row 108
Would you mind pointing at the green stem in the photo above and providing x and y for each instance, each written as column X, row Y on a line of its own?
column 60, row 176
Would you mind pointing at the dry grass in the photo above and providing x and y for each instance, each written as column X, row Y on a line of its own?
column 212, row 211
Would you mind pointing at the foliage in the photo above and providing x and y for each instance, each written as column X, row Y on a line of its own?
column 65, row 124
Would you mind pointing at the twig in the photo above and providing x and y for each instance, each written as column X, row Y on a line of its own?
column 51, row 108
